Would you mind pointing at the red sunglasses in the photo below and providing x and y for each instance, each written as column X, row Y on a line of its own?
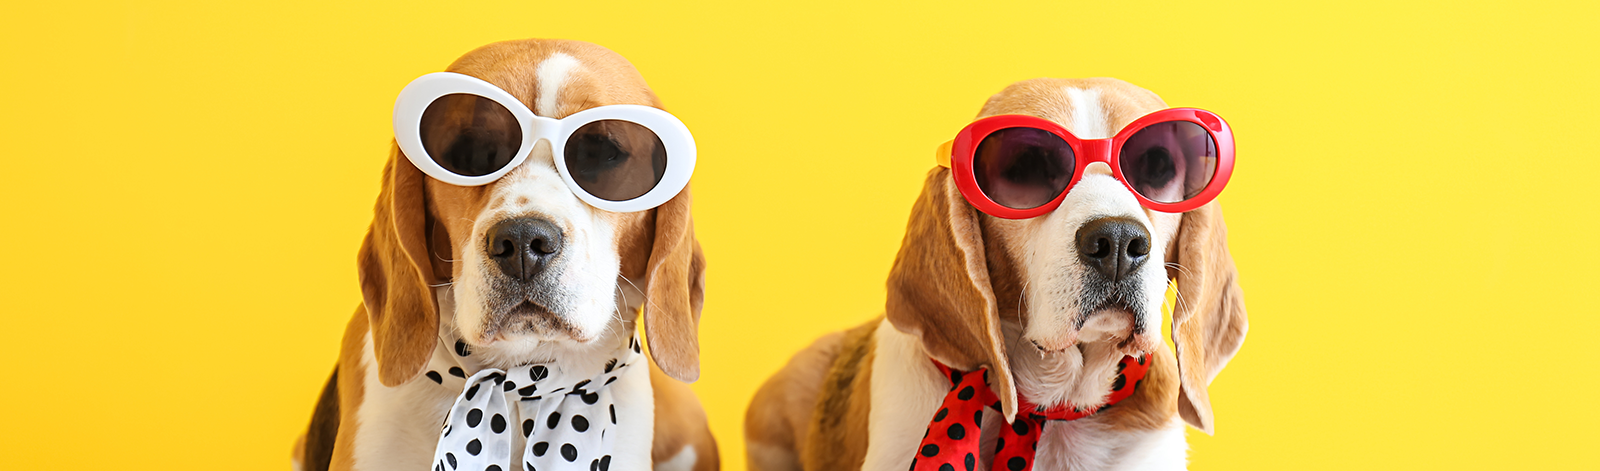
column 1018, row 167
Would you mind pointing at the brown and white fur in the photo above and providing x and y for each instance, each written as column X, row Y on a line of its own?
column 425, row 271
column 976, row 291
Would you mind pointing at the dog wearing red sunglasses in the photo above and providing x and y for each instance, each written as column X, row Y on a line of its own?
column 464, row 286
column 1024, row 308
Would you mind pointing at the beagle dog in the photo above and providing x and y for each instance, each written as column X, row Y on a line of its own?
column 438, row 303
column 1016, row 298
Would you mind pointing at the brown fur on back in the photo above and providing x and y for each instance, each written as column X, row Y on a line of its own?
column 780, row 413
column 351, row 389
column 316, row 447
column 837, row 436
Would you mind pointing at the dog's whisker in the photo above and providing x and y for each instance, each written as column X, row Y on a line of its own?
column 1179, row 305
column 1181, row 269
column 1022, row 297
column 647, row 300
column 616, row 309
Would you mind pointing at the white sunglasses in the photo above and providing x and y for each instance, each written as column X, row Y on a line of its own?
column 464, row 131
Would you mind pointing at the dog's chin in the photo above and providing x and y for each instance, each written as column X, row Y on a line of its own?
column 1113, row 325
column 531, row 321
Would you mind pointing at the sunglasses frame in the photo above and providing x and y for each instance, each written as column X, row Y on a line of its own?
column 1085, row 151
column 415, row 98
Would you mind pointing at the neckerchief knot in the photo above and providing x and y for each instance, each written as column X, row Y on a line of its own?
column 565, row 416
column 951, row 440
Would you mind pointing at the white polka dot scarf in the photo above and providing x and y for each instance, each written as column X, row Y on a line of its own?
column 566, row 417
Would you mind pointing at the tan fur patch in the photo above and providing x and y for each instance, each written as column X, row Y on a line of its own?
column 837, row 438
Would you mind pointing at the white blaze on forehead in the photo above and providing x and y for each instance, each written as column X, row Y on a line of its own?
column 552, row 74
column 1088, row 115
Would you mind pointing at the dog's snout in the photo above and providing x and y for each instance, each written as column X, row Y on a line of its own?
column 522, row 247
column 1114, row 246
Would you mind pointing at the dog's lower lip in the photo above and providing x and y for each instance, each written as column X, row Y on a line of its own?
column 527, row 308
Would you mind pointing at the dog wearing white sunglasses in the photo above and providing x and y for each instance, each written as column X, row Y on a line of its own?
column 1059, row 311
column 534, row 205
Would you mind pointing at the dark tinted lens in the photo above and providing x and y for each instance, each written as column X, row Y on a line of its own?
column 1022, row 168
column 615, row 160
column 1169, row 162
column 469, row 134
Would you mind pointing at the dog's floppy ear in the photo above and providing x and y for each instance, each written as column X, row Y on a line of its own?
column 939, row 287
column 1209, row 322
column 675, row 291
column 396, row 275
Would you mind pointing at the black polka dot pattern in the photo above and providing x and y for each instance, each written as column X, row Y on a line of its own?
column 564, row 412
column 1016, row 463
column 956, row 431
column 951, row 443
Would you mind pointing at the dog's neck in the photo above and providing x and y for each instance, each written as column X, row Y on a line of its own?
column 505, row 354
column 1081, row 375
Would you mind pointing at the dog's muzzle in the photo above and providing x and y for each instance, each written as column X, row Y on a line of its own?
column 1115, row 248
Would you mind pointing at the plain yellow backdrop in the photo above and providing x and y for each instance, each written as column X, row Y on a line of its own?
column 185, row 185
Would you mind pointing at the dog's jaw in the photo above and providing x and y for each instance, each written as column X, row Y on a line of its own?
column 575, row 301
column 510, row 350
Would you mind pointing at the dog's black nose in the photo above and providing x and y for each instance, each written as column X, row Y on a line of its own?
column 1114, row 246
column 523, row 246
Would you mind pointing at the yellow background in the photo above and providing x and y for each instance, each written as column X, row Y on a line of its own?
column 185, row 185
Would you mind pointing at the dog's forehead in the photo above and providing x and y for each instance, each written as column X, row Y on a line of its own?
column 556, row 78
column 1109, row 102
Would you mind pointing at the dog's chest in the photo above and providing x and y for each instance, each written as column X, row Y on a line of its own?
column 399, row 427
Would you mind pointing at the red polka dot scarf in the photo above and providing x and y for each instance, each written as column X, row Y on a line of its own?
column 566, row 417
column 951, row 442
